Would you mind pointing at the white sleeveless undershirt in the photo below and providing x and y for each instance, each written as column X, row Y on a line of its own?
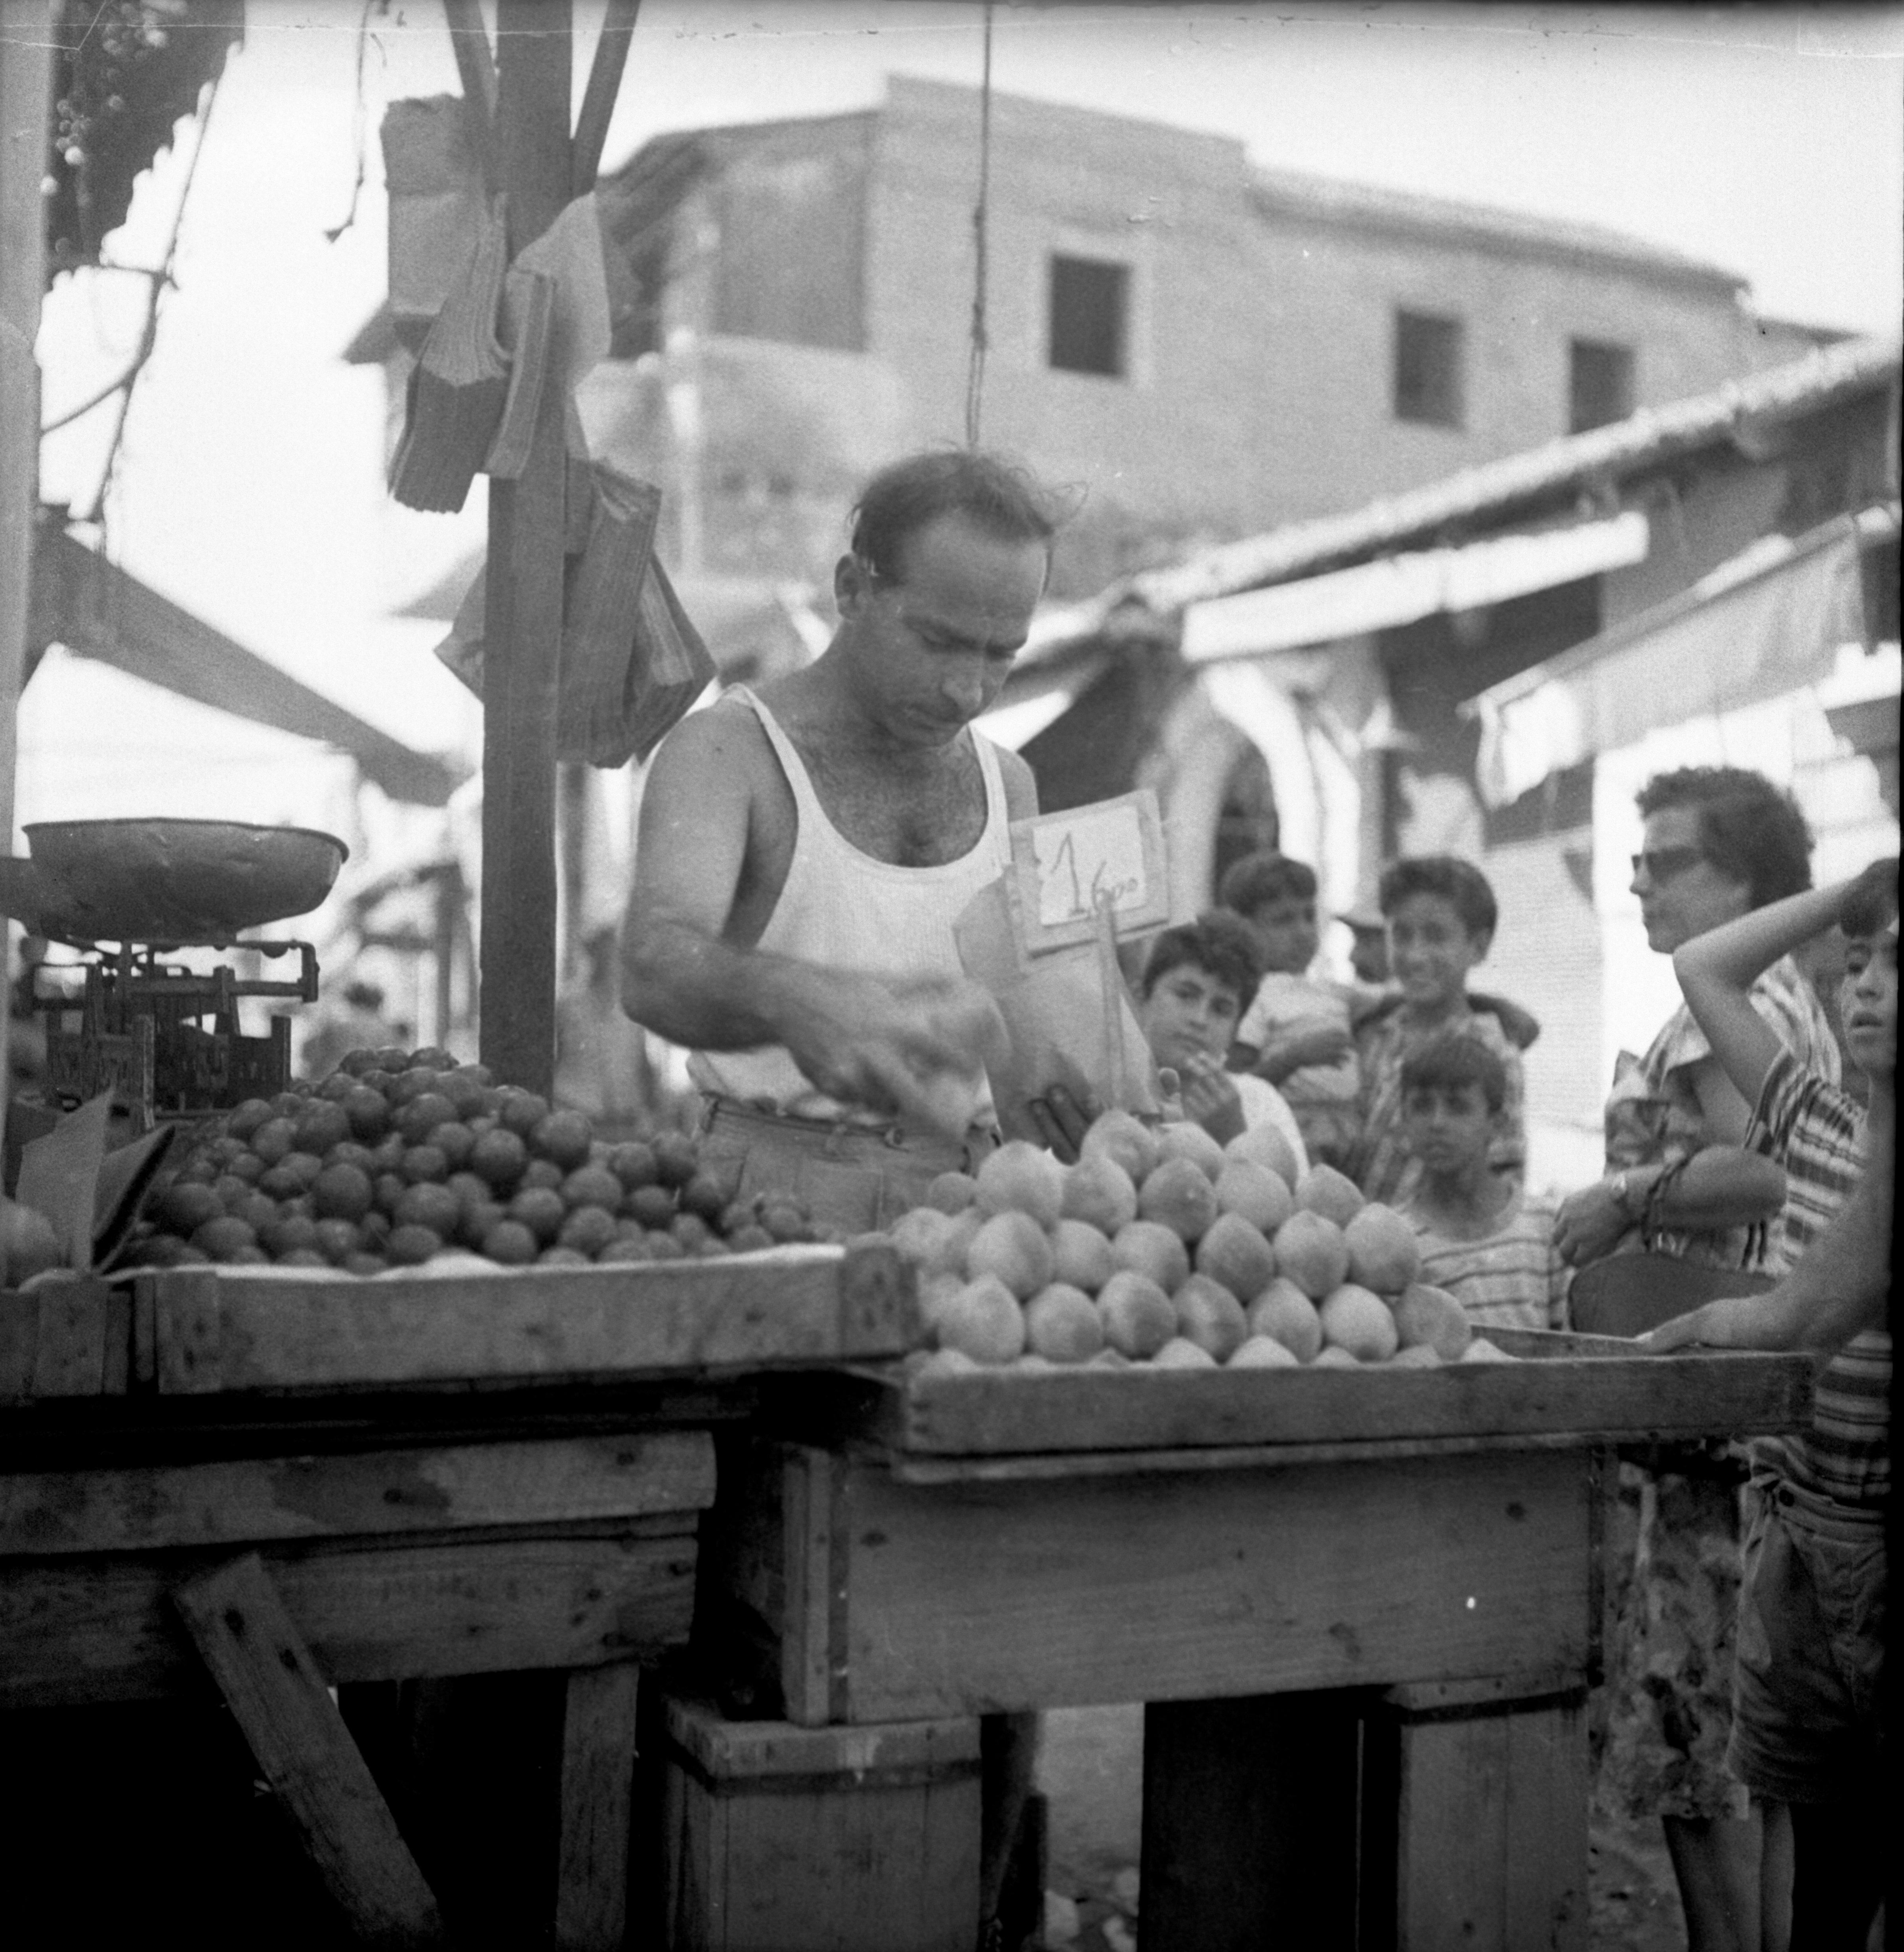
column 843, row 909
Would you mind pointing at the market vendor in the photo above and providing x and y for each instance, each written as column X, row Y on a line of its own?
column 805, row 851
column 806, row 848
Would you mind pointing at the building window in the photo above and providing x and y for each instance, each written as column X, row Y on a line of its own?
column 1427, row 369
column 1600, row 384
column 1090, row 316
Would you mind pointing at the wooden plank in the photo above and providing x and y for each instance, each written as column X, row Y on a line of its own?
column 246, row 1500
column 824, row 1840
column 962, row 1599
column 1489, row 1828
column 1626, row 1398
column 1250, row 1823
column 186, row 1331
column 246, row 1329
column 523, row 619
column 55, row 1340
column 598, row 1792
column 73, row 1631
column 598, row 97
column 813, row 1585
column 930, row 1468
column 265, row 1673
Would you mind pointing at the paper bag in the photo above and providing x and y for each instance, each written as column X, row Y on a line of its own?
column 1054, row 1008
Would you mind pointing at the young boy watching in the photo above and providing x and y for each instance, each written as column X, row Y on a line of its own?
column 1483, row 1238
column 1295, row 1032
column 1194, row 983
column 1808, row 1681
column 1441, row 917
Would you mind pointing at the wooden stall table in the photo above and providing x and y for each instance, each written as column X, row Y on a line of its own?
column 1362, row 1607
column 274, row 1485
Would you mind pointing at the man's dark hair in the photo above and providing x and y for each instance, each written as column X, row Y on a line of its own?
column 1456, row 881
column 1219, row 943
column 1258, row 879
column 998, row 495
column 1870, row 906
column 1454, row 1060
column 1749, row 828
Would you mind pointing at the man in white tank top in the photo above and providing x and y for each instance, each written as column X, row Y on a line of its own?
column 806, row 849
column 804, row 852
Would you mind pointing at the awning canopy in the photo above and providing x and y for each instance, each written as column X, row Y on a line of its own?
column 1769, row 622
column 98, row 611
column 1403, row 589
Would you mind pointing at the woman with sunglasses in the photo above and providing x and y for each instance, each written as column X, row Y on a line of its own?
column 1718, row 842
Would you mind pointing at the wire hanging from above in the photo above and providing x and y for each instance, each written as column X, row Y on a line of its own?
column 975, row 367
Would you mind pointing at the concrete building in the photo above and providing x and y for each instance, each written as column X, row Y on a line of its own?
column 1203, row 349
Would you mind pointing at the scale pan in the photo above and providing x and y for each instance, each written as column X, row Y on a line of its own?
column 175, row 880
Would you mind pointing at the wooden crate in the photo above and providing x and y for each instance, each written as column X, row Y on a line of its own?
column 66, row 1338
column 202, row 1331
column 787, row 1839
column 396, row 1563
column 883, row 1599
column 1567, row 1389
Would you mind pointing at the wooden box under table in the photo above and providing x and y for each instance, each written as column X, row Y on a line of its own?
column 784, row 1839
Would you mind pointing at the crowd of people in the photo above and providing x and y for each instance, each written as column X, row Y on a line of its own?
column 807, row 848
column 1745, row 1579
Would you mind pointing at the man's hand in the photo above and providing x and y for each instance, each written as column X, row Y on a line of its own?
column 898, row 1050
column 1589, row 1225
column 1063, row 1118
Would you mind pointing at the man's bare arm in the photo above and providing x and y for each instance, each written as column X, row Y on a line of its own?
column 684, row 976
column 1838, row 1289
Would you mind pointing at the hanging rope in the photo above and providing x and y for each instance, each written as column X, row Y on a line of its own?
column 975, row 368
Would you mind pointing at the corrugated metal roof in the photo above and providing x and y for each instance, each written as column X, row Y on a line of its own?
column 1496, row 487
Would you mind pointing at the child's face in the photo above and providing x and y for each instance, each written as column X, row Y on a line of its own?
column 1189, row 1013
column 1287, row 928
column 1447, row 1127
column 1868, row 1003
column 1429, row 950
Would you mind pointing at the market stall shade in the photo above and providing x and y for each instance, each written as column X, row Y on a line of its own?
column 97, row 610
column 1771, row 620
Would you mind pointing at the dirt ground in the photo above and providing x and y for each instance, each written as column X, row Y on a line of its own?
column 1090, row 1769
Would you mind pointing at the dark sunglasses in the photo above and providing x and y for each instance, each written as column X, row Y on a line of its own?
column 1661, row 863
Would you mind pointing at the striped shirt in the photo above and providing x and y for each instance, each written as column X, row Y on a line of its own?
column 1653, row 1114
column 1815, row 1132
column 1384, row 1169
column 1513, row 1278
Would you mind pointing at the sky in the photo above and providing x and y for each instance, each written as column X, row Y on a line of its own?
column 247, row 484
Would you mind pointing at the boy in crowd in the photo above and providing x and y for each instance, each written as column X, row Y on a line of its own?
column 1295, row 1033
column 1806, row 1711
column 1441, row 916
column 1194, row 984
column 1483, row 1238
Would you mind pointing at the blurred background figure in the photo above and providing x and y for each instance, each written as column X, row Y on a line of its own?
column 356, row 1021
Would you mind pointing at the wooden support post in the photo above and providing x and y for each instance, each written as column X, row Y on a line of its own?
column 269, row 1682
column 25, row 103
column 597, row 1790
column 523, row 628
column 604, row 85
column 1249, row 1824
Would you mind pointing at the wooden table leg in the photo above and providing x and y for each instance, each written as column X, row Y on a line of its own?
column 1249, row 1825
column 265, row 1675
column 598, row 1788
column 1475, row 1834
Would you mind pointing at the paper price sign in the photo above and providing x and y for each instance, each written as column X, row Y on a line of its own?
column 1068, row 868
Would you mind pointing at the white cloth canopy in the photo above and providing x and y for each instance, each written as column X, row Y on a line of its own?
column 1402, row 589
column 1770, row 621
